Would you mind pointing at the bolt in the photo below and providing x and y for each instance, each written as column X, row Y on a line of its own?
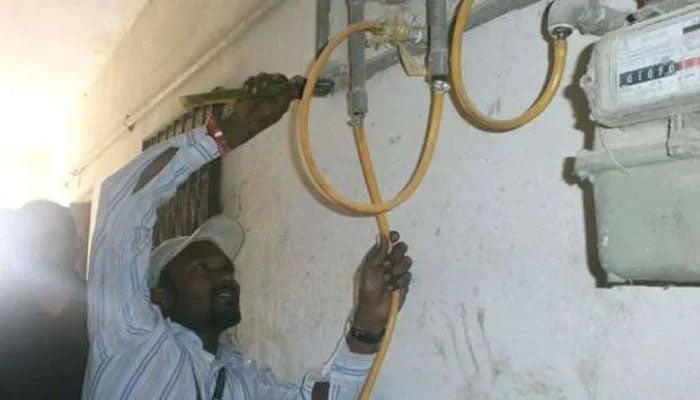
column 441, row 86
column 561, row 32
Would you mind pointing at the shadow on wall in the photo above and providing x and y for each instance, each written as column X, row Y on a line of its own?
column 583, row 123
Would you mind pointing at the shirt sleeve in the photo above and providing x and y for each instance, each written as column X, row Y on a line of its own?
column 120, row 309
column 345, row 376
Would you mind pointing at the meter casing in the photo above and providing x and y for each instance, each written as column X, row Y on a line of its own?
column 647, row 71
column 643, row 88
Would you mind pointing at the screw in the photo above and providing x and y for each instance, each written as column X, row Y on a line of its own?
column 441, row 86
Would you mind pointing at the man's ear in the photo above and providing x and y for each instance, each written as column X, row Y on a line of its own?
column 163, row 298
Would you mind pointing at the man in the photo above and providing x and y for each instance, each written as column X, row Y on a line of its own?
column 43, row 332
column 156, row 317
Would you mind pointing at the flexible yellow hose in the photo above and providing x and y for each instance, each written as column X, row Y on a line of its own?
column 383, row 225
column 465, row 105
column 377, row 207
column 307, row 155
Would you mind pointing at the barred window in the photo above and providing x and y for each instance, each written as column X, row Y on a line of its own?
column 198, row 198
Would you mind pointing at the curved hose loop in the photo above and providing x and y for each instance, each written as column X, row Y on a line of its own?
column 378, row 207
column 312, row 168
column 469, row 110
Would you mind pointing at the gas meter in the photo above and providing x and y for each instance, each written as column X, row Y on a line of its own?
column 647, row 71
column 643, row 88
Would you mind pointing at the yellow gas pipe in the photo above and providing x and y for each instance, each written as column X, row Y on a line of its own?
column 378, row 207
column 469, row 110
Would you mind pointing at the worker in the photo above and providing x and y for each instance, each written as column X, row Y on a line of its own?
column 43, row 312
column 156, row 318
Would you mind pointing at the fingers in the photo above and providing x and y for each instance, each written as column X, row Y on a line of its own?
column 255, row 84
column 398, row 252
column 402, row 282
column 278, row 78
column 377, row 254
column 397, row 264
column 401, row 267
column 394, row 237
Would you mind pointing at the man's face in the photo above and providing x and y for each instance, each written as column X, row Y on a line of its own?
column 202, row 291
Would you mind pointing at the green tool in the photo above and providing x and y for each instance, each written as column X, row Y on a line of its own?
column 219, row 96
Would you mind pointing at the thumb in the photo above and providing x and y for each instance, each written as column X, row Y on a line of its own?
column 378, row 253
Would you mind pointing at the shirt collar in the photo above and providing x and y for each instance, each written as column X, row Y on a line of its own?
column 226, row 351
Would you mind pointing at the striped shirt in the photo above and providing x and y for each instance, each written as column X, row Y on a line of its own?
column 135, row 353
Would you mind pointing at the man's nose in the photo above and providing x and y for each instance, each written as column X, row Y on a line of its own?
column 225, row 278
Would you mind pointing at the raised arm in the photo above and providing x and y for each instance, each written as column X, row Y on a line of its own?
column 120, row 309
column 119, row 305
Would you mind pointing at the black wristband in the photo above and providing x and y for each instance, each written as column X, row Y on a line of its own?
column 365, row 337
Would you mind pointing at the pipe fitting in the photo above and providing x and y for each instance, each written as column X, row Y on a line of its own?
column 564, row 15
column 438, row 57
column 357, row 94
column 441, row 86
column 588, row 16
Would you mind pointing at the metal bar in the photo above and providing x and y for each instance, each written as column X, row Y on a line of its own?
column 357, row 93
column 589, row 163
column 436, row 10
column 199, row 197
column 482, row 13
column 323, row 23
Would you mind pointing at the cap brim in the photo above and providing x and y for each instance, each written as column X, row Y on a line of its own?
column 226, row 233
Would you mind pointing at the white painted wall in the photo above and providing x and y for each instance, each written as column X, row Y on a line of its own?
column 52, row 51
column 503, row 305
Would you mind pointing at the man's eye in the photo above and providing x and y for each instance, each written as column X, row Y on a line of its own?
column 214, row 266
column 200, row 266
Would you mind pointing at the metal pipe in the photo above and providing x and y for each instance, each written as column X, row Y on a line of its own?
column 481, row 14
column 589, row 163
column 588, row 16
column 357, row 94
column 323, row 23
column 436, row 11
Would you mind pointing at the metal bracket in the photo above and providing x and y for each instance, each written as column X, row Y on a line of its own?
column 684, row 136
column 654, row 8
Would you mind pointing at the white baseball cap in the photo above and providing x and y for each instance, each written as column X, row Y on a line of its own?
column 226, row 233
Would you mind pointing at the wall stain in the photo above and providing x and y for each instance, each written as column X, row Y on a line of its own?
column 455, row 347
column 463, row 316
column 394, row 140
column 588, row 375
column 478, row 376
column 440, row 347
column 480, row 318
column 494, row 108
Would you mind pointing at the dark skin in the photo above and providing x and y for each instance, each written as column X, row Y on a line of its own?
column 198, row 289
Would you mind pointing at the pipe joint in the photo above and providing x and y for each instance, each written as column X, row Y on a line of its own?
column 438, row 55
column 588, row 16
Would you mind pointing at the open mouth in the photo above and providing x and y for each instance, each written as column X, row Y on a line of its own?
column 225, row 295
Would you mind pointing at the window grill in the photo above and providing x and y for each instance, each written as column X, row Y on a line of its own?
column 198, row 198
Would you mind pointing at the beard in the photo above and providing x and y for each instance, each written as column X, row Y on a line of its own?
column 225, row 316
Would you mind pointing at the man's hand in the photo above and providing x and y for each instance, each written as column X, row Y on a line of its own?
column 382, row 272
column 245, row 118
